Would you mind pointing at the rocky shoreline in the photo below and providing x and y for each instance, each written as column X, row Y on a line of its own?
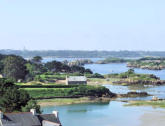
column 92, row 99
column 146, row 67
column 133, row 94
column 146, row 82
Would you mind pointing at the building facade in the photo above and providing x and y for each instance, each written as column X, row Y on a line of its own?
column 76, row 80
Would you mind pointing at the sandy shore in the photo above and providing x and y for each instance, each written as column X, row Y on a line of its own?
column 156, row 118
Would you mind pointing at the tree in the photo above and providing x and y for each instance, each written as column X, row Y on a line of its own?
column 65, row 68
column 34, row 69
column 14, row 99
column 1, row 63
column 54, row 66
column 88, row 71
column 131, row 71
column 79, row 69
column 37, row 59
column 31, row 104
column 14, row 67
column 97, row 75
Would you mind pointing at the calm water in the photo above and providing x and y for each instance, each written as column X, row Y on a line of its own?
column 111, row 113
column 100, row 114
column 158, row 91
column 121, row 67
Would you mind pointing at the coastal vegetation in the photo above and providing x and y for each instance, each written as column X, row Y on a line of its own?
column 152, row 63
column 131, row 78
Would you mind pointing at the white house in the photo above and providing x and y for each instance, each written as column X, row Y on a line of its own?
column 76, row 80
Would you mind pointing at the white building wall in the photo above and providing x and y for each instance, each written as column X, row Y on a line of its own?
column 47, row 123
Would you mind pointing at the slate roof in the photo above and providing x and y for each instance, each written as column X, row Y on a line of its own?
column 20, row 119
column 27, row 119
column 77, row 78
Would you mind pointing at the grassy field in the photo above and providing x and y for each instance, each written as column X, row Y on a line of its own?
column 47, row 93
column 54, row 76
column 160, row 104
column 36, row 83
column 100, row 81
column 90, row 81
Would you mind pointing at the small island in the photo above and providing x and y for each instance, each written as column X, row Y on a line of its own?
column 151, row 63
column 132, row 78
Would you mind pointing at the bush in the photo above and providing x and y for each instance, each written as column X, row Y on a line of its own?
column 96, row 75
column 31, row 104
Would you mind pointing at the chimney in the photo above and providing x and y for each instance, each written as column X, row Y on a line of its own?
column 56, row 114
column 1, row 115
column 33, row 111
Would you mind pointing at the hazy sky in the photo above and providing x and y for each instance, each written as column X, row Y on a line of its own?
column 82, row 24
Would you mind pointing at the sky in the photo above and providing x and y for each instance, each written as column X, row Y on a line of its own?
column 82, row 24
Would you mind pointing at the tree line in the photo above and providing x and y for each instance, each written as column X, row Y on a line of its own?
column 17, row 68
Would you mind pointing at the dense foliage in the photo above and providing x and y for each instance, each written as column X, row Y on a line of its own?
column 40, row 93
column 14, row 67
column 56, row 66
column 96, row 75
column 17, row 68
column 14, row 99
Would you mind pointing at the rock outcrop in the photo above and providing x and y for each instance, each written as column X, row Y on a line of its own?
column 134, row 94
column 155, row 82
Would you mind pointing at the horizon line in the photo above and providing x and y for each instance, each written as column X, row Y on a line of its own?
column 84, row 50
